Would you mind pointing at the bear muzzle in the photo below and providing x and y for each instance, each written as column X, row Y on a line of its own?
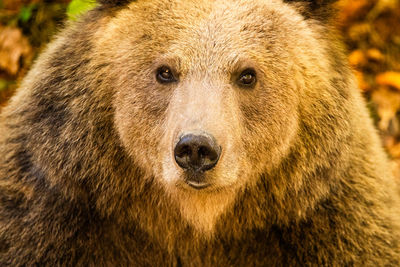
column 196, row 154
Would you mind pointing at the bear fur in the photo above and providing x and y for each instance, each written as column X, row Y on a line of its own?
column 87, row 174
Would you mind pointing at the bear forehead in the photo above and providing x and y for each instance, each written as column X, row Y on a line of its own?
column 192, row 20
column 223, row 29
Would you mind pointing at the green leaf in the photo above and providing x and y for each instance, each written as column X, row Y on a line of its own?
column 26, row 12
column 3, row 84
column 78, row 7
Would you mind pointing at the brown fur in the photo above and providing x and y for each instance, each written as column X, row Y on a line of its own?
column 87, row 170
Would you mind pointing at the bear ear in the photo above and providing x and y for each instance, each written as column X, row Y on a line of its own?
column 314, row 4
column 114, row 2
column 319, row 9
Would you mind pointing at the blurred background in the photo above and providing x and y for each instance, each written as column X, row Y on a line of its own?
column 370, row 28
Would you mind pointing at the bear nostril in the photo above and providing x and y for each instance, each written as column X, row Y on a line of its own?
column 197, row 153
column 183, row 151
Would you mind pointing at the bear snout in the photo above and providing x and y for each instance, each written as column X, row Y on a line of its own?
column 197, row 153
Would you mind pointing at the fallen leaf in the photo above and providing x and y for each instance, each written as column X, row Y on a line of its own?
column 388, row 102
column 362, row 84
column 14, row 49
column 375, row 54
column 389, row 78
column 351, row 9
column 395, row 150
column 357, row 58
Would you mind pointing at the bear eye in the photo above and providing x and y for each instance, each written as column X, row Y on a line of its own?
column 247, row 78
column 164, row 75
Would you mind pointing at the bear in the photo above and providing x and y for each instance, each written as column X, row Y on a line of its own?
column 195, row 133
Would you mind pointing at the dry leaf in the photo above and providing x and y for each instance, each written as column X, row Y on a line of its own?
column 357, row 58
column 15, row 5
column 351, row 9
column 375, row 54
column 388, row 102
column 395, row 150
column 389, row 78
column 362, row 84
column 14, row 49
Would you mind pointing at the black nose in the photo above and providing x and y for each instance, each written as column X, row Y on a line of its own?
column 197, row 153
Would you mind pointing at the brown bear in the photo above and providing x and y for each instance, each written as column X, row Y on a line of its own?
column 195, row 133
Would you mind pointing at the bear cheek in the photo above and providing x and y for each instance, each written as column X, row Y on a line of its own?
column 270, row 123
column 139, row 119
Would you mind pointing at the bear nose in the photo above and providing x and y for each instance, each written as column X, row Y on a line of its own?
column 197, row 153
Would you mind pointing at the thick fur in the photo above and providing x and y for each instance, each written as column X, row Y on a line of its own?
column 87, row 176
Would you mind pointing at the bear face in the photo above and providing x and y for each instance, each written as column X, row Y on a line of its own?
column 194, row 133
column 205, row 53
